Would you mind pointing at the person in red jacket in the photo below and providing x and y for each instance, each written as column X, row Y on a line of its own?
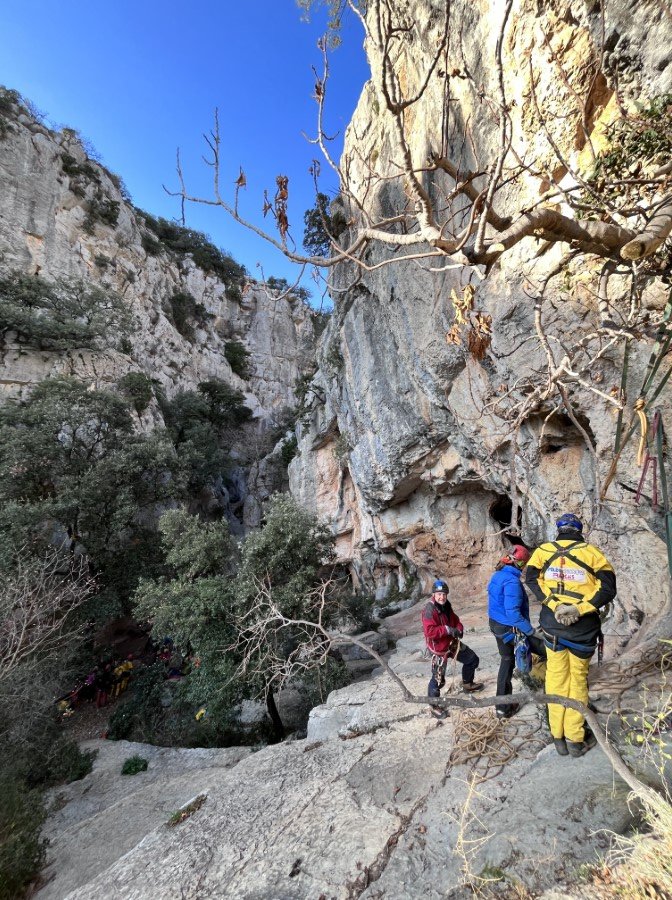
column 443, row 636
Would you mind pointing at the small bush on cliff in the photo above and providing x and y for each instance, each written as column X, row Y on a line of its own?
column 10, row 103
column 134, row 765
column 61, row 315
column 184, row 311
column 321, row 225
column 138, row 389
column 101, row 209
column 74, row 169
column 289, row 450
column 238, row 358
column 205, row 254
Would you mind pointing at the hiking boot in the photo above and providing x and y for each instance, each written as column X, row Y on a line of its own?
column 472, row 687
column 505, row 712
column 561, row 746
column 578, row 748
column 437, row 713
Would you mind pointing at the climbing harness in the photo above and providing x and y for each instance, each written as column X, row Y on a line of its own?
column 552, row 641
column 561, row 573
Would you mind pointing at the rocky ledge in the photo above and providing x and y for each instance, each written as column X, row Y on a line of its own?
column 377, row 802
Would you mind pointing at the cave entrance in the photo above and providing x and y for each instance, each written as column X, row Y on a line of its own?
column 500, row 512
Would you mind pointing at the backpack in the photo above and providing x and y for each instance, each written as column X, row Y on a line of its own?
column 522, row 653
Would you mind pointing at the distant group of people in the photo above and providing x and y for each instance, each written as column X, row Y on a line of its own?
column 105, row 682
column 111, row 677
column 574, row 582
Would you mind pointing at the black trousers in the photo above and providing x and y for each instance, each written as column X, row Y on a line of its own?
column 507, row 663
column 469, row 661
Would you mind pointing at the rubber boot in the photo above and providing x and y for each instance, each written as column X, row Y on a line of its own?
column 505, row 712
column 561, row 746
column 579, row 748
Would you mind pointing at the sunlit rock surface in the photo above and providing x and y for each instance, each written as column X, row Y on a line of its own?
column 406, row 455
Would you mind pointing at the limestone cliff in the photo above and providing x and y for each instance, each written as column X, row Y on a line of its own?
column 408, row 453
column 65, row 216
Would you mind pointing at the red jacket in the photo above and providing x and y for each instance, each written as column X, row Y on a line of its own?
column 435, row 620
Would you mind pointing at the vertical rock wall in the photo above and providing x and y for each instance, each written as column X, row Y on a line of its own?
column 406, row 453
column 41, row 232
column 48, row 185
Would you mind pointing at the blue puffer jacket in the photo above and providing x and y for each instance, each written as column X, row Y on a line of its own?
column 507, row 600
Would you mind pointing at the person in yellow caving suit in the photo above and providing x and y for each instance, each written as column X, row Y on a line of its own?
column 574, row 581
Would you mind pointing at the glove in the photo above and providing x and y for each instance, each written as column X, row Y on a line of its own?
column 567, row 614
column 453, row 632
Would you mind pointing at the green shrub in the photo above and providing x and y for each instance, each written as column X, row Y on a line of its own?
column 277, row 284
column 133, row 765
column 238, row 358
column 205, row 254
column 184, row 310
column 150, row 245
column 73, row 169
column 138, row 389
column 10, row 101
column 322, row 223
column 22, row 850
column 357, row 608
column 289, row 450
column 226, row 405
column 140, row 716
column 636, row 139
column 61, row 315
column 101, row 209
column 233, row 292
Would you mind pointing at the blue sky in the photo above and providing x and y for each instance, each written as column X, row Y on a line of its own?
column 140, row 78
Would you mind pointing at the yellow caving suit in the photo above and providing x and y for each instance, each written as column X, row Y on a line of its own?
column 569, row 570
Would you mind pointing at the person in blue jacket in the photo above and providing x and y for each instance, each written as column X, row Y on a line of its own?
column 508, row 612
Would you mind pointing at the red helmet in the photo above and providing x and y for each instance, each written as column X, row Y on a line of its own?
column 520, row 554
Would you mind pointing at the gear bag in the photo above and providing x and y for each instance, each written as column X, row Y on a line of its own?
column 522, row 653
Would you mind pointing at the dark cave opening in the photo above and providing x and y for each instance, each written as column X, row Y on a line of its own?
column 500, row 512
column 561, row 433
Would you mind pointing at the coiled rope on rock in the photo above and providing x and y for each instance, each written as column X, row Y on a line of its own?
column 489, row 743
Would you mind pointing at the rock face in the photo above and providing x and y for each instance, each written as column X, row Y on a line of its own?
column 42, row 232
column 49, row 187
column 409, row 453
column 372, row 804
column 109, row 813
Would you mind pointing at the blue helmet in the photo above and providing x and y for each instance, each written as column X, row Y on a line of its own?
column 439, row 586
column 569, row 520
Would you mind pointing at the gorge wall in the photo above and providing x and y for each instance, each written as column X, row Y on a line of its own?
column 55, row 222
column 410, row 451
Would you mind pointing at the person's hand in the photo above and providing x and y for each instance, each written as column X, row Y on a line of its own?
column 453, row 632
column 567, row 614
column 538, row 634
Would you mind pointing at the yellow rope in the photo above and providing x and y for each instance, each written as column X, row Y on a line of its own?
column 644, row 430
